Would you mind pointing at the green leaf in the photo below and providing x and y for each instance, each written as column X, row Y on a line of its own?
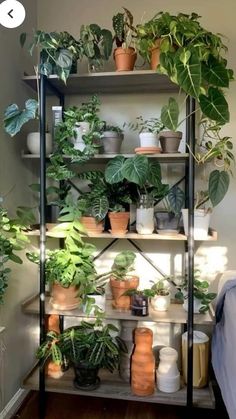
column 107, row 43
column 114, row 170
column 154, row 173
column 135, row 169
column 100, row 206
column 214, row 106
column 64, row 59
column 22, row 39
column 14, row 118
column 189, row 72
column 215, row 73
column 15, row 258
column 176, row 199
column 170, row 115
column 218, row 186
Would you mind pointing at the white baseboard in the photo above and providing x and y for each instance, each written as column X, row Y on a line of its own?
column 13, row 405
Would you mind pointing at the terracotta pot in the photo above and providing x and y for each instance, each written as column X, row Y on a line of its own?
column 52, row 323
column 53, row 370
column 64, row 298
column 125, row 58
column 155, row 55
column 119, row 222
column 170, row 141
column 143, row 363
column 118, row 288
column 91, row 225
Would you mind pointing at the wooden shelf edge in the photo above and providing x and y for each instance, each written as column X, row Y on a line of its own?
column 176, row 314
column 114, row 388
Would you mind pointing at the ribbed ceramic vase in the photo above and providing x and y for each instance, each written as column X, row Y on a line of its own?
column 127, row 335
column 143, row 363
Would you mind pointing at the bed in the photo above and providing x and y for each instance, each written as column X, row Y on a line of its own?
column 224, row 341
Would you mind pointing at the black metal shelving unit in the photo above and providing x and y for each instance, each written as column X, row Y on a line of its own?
column 53, row 85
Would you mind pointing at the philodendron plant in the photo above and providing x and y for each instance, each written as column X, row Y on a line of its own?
column 96, row 43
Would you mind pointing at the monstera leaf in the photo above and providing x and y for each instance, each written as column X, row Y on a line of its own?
column 214, row 106
column 114, row 170
column 14, row 118
column 135, row 169
column 188, row 69
column 218, row 186
column 170, row 115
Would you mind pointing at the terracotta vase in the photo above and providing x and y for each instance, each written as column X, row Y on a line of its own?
column 127, row 335
column 155, row 55
column 64, row 298
column 118, row 288
column 143, row 363
column 125, row 58
column 119, row 222
column 91, row 225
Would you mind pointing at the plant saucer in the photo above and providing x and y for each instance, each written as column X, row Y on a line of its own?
column 121, row 233
column 168, row 232
column 147, row 150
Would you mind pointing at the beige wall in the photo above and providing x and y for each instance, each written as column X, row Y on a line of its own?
column 73, row 13
column 19, row 339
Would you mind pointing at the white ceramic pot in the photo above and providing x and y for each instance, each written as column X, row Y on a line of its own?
column 81, row 129
column 196, row 305
column 160, row 302
column 168, row 376
column 201, row 223
column 33, row 143
column 99, row 302
column 148, row 139
column 145, row 220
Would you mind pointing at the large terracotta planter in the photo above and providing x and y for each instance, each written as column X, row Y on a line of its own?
column 119, row 222
column 143, row 363
column 64, row 298
column 125, row 58
column 91, row 225
column 118, row 288
column 155, row 55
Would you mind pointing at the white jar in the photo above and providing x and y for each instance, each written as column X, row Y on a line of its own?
column 201, row 223
column 81, row 128
column 33, row 143
column 168, row 376
column 145, row 215
column 160, row 302
column 148, row 139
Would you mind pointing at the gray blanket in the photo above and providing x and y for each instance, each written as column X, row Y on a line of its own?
column 224, row 345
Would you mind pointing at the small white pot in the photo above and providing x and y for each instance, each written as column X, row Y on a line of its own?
column 81, row 129
column 148, row 139
column 196, row 305
column 160, row 302
column 33, row 143
column 201, row 223
column 100, row 302
column 145, row 220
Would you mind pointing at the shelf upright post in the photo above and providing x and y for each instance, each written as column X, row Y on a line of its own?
column 190, row 135
column 42, row 127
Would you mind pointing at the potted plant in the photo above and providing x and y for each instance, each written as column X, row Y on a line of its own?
column 170, row 140
column 121, row 279
column 139, row 301
column 145, row 177
column 97, row 45
column 89, row 347
column 66, row 269
column 167, row 219
column 124, row 53
column 202, row 298
column 148, row 132
column 52, row 355
column 160, row 295
column 112, row 138
column 218, row 184
column 119, row 219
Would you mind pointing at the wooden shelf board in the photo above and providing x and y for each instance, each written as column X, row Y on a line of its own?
column 138, row 81
column 113, row 387
column 104, row 158
column 175, row 314
column 130, row 235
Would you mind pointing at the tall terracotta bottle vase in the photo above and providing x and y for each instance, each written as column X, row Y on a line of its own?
column 143, row 363
column 127, row 335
